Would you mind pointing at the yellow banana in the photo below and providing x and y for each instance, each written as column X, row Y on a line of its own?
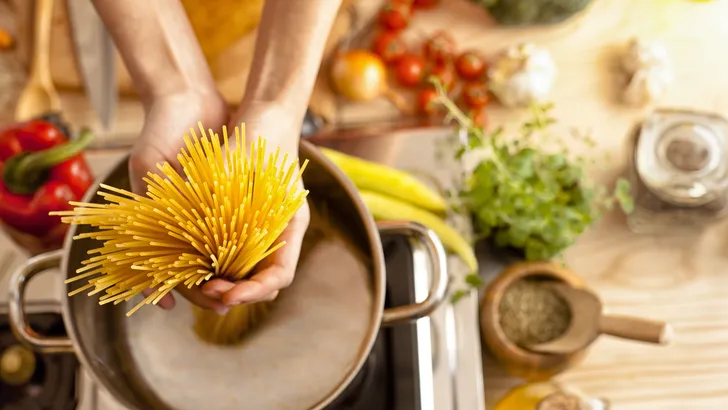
column 391, row 182
column 387, row 209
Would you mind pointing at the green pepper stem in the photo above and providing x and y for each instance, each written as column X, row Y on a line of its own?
column 25, row 172
column 42, row 160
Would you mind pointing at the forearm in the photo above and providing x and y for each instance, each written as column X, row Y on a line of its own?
column 158, row 46
column 291, row 39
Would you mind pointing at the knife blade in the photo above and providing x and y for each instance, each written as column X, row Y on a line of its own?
column 96, row 56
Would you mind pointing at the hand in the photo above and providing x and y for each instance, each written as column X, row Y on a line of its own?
column 276, row 272
column 168, row 119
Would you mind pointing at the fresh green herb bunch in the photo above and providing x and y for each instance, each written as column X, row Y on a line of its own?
column 524, row 197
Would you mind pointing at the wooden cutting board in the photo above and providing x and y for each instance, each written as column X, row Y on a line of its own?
column 230, row 68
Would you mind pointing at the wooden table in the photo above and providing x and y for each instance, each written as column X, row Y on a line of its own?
column 680, row 280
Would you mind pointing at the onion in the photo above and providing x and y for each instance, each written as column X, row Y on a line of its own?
column 360, row 75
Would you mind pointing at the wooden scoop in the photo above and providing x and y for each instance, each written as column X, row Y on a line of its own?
column 39, row 96
column 588, row 322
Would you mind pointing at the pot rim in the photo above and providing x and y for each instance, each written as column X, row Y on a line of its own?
column 377, row 265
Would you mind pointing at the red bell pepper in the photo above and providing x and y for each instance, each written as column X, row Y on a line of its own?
column 41, row 172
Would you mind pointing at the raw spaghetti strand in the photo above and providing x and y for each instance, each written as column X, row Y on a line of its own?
column 219, row 219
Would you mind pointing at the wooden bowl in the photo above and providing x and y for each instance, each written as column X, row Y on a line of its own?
column 517, row 361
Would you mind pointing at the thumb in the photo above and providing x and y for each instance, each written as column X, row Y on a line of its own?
column 142, row 161
column 138, row 168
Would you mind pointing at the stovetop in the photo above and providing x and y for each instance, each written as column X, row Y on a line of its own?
column 30, row 381
column 390, row 378
column 431, row 364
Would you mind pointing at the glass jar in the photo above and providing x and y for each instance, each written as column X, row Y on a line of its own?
column 679, row 171
column 548, row 396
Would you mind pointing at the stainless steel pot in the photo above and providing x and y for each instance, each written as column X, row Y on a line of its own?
column 93, row 331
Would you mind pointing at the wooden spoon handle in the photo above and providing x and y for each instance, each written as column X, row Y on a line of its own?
column 633, row 328
column 41, row 45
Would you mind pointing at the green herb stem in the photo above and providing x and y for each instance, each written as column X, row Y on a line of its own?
column 523, row 196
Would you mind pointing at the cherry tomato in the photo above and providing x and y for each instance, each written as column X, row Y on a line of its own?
column 410, row 70
column 479, row 117
column 475, row 94
column 426, row 4
column 395, row 16
column 440, row 47
column 389, row 46
column 426, row 103
column 445, row 73
column 470, row 65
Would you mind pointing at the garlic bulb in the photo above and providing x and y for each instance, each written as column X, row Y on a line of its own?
column 523, row 75
column 640, row 54
column 648, row 68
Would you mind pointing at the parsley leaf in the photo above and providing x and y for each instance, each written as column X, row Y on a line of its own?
column 523, row 196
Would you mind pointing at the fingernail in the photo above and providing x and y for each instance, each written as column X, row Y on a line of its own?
column 219, row 286
column 212, row 293
column 222, row 311
column 244, row 295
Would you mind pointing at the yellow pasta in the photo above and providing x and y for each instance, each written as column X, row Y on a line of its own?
column 218, row 219
column 232, row 327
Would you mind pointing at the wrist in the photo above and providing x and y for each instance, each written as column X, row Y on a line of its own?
column 291, row 110
column 183, row 94
column 258, row 117
column 164, row 90
column 282, row 115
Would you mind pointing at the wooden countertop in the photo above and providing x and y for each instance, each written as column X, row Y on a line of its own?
column 681, row 280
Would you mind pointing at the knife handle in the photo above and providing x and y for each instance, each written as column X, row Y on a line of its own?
column 40, row 69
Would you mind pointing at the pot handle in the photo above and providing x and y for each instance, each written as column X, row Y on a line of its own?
column 423, row 241
column 18, row 322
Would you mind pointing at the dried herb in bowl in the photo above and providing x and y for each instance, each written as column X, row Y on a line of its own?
column 531, row 313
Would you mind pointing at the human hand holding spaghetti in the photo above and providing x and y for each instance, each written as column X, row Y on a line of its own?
column 276, row 271
column 168, row 118
column 163, row 57
column 161, row 142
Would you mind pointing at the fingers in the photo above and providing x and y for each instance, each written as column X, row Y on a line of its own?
column 275, row 272
column 271, row 296
column 139, row 165
column 272, row 274
column 215, row 288
column 195, row 296
column 156, row 145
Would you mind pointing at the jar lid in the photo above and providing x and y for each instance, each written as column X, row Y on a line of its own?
column 681, row 156
column 689, row 148
column 693, row 151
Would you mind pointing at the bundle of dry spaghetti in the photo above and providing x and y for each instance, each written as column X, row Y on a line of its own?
column 232, row 327
column 242, row 321
column 218, row 220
